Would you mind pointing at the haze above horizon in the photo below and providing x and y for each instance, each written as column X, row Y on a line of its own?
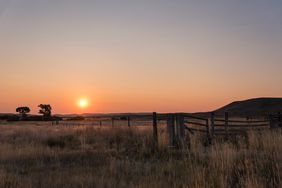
column 138, row 56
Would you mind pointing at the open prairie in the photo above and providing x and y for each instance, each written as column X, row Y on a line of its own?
column 145, row 94
column 41, row 155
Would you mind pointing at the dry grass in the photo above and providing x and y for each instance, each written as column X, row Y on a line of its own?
column 53, row 156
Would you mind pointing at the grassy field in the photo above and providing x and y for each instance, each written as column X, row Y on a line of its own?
column 40, row 155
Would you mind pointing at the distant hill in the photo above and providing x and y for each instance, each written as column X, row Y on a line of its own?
column 252, row 107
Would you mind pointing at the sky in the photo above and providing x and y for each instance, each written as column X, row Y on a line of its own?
column 138, row 56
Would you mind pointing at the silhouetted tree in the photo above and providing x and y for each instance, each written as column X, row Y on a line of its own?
column 45, row 109
column 23, row 111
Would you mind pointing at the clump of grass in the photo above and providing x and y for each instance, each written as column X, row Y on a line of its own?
column 63, row 141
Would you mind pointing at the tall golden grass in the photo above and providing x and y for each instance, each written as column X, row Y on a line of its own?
column 54, row 156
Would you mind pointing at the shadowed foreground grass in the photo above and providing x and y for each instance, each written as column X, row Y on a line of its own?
column 44, row 156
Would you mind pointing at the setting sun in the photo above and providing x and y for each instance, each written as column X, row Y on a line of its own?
column 83, row 103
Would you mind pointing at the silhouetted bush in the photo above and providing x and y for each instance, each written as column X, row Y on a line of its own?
column 13, row 117
column 10, row 117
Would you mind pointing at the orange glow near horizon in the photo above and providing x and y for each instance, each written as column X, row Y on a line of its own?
column 83, row 103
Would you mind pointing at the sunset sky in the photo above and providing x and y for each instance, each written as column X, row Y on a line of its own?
column 138, row 56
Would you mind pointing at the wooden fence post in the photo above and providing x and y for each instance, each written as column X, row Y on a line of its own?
column 171, row 130
column 208, row 139
column 279, row 119
column 128, row 121
column 100, row 123
column 270, row 120
column 180, row 129
column 212, row 123
column 155, row 129
column 226, row 124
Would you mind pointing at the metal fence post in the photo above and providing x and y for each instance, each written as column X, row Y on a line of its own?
column 113, row 122
column 155, row 129
column 128, row 121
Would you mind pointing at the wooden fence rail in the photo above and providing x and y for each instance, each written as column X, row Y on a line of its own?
column 241, row 126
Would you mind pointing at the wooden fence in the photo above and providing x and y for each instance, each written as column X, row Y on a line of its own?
column 275, row 120
column 182, row 125
column 227, row 126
